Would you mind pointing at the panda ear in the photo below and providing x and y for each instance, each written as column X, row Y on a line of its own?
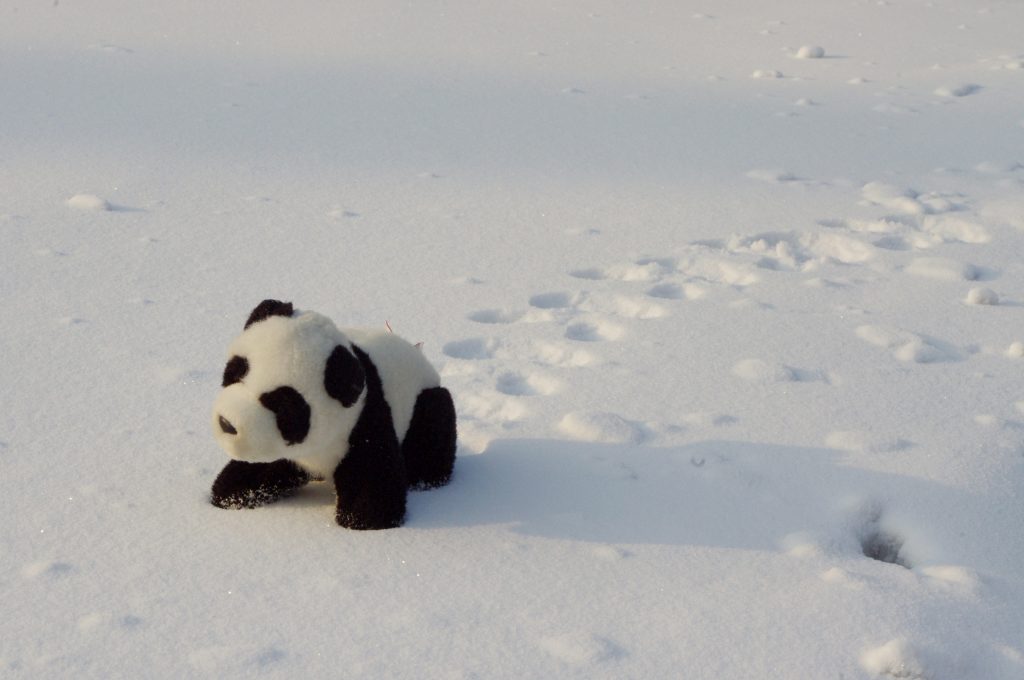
column 344, row 377
column 269, row 308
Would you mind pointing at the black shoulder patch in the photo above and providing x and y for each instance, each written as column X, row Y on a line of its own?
column 235, row 370
column 267, row 309
column 344, row 377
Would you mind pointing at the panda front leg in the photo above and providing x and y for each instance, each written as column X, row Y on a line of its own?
column 371, row 486
column 250, row 485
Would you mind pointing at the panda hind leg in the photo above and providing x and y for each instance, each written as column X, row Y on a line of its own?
column 250, row 485
column 429, row 445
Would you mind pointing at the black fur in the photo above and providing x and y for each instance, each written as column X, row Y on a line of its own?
column 236, row 369
column 269, row 308
column 429, row 445
column 370, row 479
column 250, row 485
column 344, row 377
column 292, row 413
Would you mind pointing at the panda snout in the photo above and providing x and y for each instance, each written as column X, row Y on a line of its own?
column 225, row 426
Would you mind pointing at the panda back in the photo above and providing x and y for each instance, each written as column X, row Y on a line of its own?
column 404, row 371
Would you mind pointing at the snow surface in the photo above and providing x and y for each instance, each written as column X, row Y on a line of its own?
column 716, row 421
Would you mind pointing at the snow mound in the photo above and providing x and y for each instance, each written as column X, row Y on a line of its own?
column 894, row 659
column 982, row 296
column 810, row 52
column 88, row 202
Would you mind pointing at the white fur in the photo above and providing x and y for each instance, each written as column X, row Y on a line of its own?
column 293, row 351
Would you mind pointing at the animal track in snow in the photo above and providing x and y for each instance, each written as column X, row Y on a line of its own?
column 878, row 541
column 496, row 316
column 53, row 569
column 599, row 426
column 961, row 90
column 554, row 354
column 518, row 384
column 639, row 309
column 555, row 300
column 471, row 348
column 596, row 331
column 942, row 269
column 580, row 649
column 646, row 269
column 765, row 373
column 907, row 346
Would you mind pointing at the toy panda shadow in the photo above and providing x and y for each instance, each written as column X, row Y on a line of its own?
column 303, row 400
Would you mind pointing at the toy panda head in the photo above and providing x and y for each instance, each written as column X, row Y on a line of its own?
column 293, row 388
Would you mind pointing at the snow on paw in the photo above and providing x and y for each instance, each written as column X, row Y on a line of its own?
column 896, row 659
column 602, row 427
column 580, row 649
column 471, row 348
column 1015, row 350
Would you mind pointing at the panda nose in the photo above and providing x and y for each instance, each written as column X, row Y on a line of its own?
column 226, row 426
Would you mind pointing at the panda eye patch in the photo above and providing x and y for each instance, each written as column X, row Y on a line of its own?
column 235, row 370
column 292, row 413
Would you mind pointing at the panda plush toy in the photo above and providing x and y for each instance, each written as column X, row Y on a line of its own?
column 304, row 400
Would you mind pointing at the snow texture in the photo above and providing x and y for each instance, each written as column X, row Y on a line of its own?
column 727, row 405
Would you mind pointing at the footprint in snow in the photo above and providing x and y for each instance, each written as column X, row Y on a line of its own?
column 601, row 427
column 907, row 346
column 471, row 348
column 961, row 90
column 766, row 373
column 526, row 384
column 556, row 300
column 596, row 331
column 580, row 649
column 561, row 356
column 496, row 316
column 47, row 569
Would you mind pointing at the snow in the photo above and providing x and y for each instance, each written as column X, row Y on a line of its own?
column 726, row 409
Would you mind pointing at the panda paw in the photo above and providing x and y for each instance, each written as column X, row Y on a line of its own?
column 250, row 485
